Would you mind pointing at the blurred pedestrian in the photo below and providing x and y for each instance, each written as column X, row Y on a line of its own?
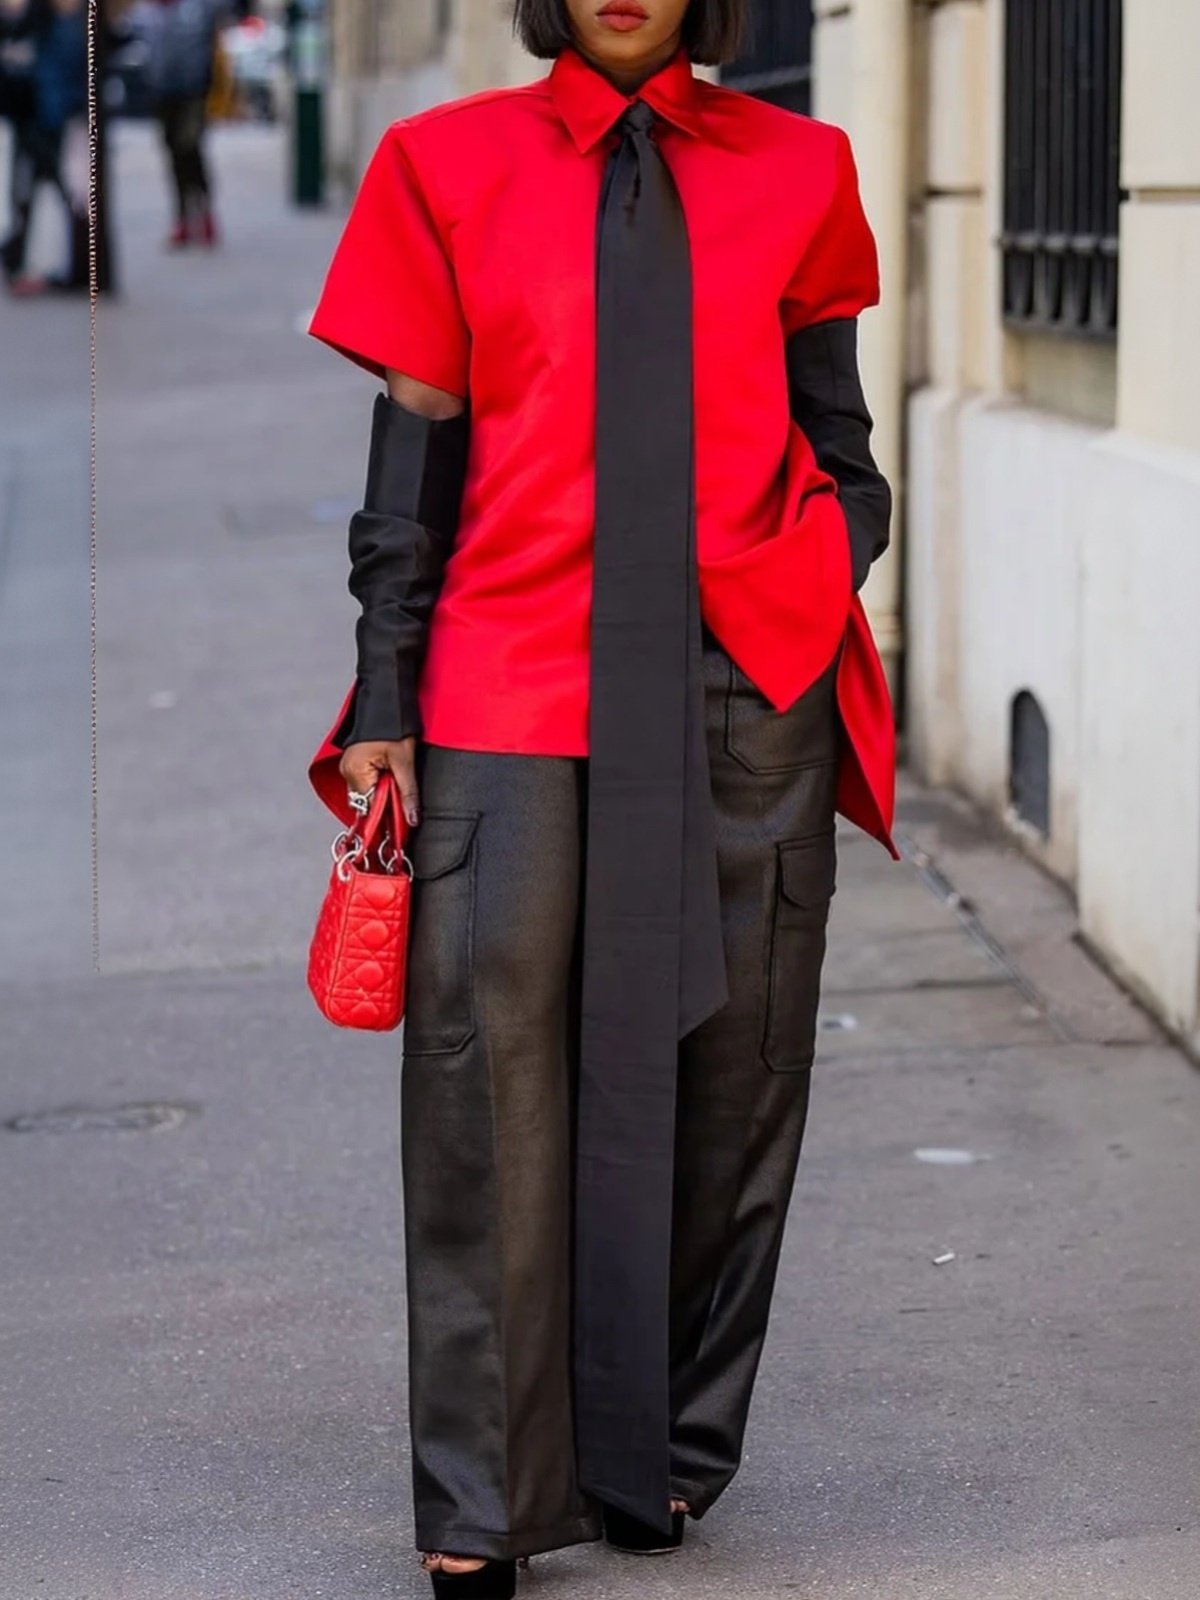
column 55, row 33
column 18, row 109
column 182, row 38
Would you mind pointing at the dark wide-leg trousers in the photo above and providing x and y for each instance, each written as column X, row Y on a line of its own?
column 490, row 1051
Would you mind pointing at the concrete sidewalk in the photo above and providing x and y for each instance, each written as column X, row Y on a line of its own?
column 45, row 590
column 201, row 1390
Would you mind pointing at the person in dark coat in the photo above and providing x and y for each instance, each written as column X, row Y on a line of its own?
column 182, row 36
column 52, row 93
column 18, row 108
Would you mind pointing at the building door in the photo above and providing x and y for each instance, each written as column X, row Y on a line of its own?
column 776, row 63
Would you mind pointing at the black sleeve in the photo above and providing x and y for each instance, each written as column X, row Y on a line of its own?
column 827, row 402
column 399, row 543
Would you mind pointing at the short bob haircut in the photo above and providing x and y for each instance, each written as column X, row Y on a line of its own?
column 712, row 29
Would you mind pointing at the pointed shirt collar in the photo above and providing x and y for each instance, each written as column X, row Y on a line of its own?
column 589, row 104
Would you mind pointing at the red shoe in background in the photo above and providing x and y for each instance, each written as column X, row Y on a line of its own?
column 180, row 235
column 209, row 234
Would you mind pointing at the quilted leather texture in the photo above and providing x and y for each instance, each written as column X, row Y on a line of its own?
column 358, row 956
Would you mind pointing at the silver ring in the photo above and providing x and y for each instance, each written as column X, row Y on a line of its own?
column 360, row 802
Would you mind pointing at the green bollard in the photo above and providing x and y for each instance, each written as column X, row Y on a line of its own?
column 308, row 130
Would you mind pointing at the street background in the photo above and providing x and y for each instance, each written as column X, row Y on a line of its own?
column 201, row 1367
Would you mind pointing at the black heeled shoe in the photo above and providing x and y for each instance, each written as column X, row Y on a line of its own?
column 495, row 1580
column 637, row 1538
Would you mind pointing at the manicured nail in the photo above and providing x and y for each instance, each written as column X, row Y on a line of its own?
column 412, row 815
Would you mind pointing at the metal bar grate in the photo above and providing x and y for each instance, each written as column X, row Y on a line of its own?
column 776, row 64
column 1062, row 122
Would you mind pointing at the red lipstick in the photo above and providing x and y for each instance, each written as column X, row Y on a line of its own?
column 623, row 15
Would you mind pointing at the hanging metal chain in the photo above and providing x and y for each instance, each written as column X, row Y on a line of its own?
column 93, row 205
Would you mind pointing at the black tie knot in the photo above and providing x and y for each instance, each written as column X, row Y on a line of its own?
column 640, row 118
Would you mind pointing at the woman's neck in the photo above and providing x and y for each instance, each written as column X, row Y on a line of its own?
column 629, row 79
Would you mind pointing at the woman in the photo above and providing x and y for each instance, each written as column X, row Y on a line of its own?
column 619, row 498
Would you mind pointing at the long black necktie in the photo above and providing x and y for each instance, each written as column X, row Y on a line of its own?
column 653, row 962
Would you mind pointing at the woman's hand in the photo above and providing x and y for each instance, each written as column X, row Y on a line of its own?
column 362, row 763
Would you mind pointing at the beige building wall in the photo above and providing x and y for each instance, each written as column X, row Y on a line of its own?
column 1053, row 529
column 1141, row 612
column 393, row 57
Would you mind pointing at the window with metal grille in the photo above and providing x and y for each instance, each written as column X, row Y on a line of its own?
column 776, row 63
column 1062, row 114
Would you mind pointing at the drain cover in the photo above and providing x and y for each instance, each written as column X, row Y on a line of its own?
column 142, row 1116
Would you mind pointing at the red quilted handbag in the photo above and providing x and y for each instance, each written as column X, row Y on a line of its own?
column 358, row 956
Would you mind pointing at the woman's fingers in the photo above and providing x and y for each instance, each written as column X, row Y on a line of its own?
column 402, row 758
column 361, row 765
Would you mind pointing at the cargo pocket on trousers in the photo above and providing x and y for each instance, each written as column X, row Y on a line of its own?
column 768, row 742
column 806, row 875
column 440, row 1012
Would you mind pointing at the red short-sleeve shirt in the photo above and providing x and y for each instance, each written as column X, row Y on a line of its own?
column 468, row 261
